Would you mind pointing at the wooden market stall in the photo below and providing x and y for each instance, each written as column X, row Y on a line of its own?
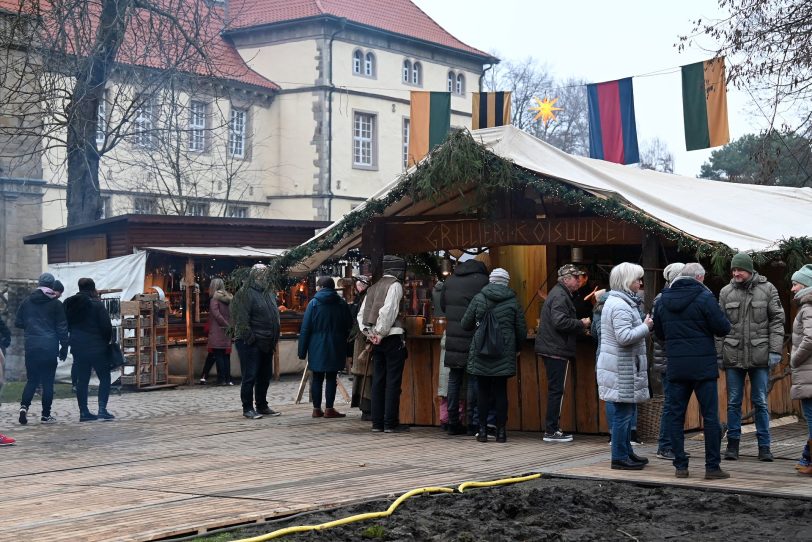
column 534, row 208
column 183, row 255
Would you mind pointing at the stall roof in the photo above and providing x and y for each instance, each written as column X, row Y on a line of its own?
column 742, row 216
column 220, row 252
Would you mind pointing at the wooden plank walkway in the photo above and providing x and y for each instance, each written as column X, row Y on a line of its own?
column 171, row 476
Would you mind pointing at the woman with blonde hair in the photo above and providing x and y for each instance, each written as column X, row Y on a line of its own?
column 622, row 362
column 219, row 343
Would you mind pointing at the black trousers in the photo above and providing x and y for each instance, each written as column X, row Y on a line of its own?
column 388, row 359
column 316, row 382
column 456, row 378
column 40, row 371
column 84, row 363
column 256, row 367
column 493, row 393
column 556, row 377
column 218, row 357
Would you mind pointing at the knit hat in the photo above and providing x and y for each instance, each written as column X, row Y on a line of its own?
column 672, row 271
column 742, row 260
column 569, row 269
column 46, row 280
column 499, row 276
column 803, row 276
column 87, row 285
column 58, row 286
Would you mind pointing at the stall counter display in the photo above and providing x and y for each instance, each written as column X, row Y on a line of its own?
column 144, row 343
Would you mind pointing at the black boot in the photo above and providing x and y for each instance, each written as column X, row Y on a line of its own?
column 86, row 416
column 764, row 454
column 457, row 429
column 501, row 434
column 482, row 436
column 732, row 452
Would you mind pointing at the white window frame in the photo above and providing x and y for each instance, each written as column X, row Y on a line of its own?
column 197, row 208
column 237, row 128
column 101, row 121
column 417, row 73
column 145, row 124
column 405, row 130
column 407, row 71
column 144, row 205
column 357, row 61
column 237, row 211
column 364, row 140
column 106, row 207
column 459, row 86
column 451, row 79
column 197, row 126
column 369, row 64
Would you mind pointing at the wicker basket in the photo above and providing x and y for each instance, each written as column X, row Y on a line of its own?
column 649, row 415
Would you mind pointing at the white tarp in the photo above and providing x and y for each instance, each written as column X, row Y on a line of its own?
column 221, row 252
column 124, row 273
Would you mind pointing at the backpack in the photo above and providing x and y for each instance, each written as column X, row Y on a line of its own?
column 489, row 336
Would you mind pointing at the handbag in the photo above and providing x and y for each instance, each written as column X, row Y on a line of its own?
column 116, row 356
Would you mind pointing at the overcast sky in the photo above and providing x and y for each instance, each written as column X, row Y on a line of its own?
column 599, row 41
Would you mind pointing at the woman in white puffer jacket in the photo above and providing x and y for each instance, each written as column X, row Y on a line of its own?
column 622, row 362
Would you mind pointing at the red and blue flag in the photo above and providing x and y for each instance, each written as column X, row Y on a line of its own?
column 612, row 129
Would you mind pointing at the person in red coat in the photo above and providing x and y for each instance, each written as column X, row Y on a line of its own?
column 219, row 343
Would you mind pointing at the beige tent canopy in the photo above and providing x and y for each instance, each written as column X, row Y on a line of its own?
column 744, row 217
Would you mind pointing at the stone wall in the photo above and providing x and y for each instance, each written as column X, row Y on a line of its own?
column 12, row 294
column 20, row 215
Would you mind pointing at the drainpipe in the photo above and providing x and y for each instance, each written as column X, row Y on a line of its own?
column 342, row 23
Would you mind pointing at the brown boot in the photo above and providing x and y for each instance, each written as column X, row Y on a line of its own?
column 318, row 413
column 333, row 413
column 807, row 469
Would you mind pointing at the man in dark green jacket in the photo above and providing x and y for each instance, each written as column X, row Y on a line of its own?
column 752, row 348
column 555, row 343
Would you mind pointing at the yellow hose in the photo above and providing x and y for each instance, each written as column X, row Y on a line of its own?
column 375, row 515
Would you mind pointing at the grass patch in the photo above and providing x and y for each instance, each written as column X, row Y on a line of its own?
column 13, row 391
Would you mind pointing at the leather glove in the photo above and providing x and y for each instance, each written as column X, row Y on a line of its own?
column 775, row 359
column 63, row 353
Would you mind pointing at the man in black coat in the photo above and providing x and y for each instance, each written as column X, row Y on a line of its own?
column 687, row 317
column 42, row 317
column 256, row 329
column 468, row 280
column 90, row 335
column 555, row 343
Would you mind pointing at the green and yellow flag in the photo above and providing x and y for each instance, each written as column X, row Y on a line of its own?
column 704, row 104
column 490, row 109
column 430, row 121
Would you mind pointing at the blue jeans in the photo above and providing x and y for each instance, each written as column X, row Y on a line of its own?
column 610, row 415
column 679, row 393
column 622, row 430
column 759, row 379
column 664, row 442
column 806, row 407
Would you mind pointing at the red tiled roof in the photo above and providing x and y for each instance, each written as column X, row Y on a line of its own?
column 396, row 16
column 142, row 48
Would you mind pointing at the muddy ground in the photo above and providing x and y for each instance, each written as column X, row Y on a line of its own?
column 551, row 509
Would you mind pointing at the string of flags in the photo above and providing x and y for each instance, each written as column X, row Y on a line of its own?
column 612, row 124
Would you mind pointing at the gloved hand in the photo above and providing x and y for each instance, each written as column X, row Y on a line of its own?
column 775, row 359
column 63, row 353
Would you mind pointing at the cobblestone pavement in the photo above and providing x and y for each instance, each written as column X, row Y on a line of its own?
column 162, row 402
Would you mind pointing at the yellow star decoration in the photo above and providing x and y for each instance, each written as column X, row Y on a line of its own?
column 546, row 109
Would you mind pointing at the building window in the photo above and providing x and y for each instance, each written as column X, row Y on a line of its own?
column 237, row 211
column 236, row 133
column 144, row 206
column 197, row 126
column 417, row 73
column 357, row 57
column 369, row 65
column 460, row 87
column 363, row 140
column 406, row 127
column 101, row 121
column 106, row 207
column 197, row 208
column 450, row 81
column 407, row 71
column 145, row 124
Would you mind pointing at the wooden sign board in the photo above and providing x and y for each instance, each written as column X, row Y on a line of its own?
column 405, row 238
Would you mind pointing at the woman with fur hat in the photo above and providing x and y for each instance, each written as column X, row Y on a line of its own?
column 801, row 356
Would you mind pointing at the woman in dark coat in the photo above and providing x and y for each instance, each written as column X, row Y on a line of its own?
column 90, row 334
column 323, row 342
column 492, row 373
column 219, row 344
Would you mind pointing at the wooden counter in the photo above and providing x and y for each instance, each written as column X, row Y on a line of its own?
column 582, row 411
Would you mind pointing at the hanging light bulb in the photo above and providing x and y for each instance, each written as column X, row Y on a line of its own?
column 445, row 266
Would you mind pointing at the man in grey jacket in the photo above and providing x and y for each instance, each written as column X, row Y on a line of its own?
column 752, row 348
column 555, row 343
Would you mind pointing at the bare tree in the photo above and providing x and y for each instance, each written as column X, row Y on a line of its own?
column 527, row 81
column 76, row 50
column 655, row 154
